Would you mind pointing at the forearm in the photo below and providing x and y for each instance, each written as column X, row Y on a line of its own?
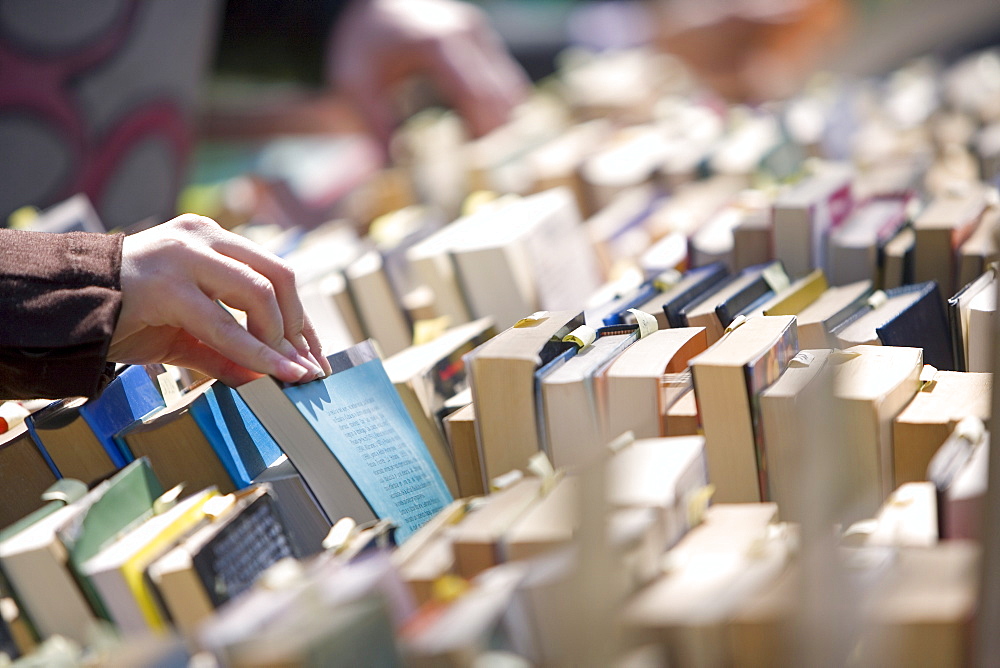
column 59, row 302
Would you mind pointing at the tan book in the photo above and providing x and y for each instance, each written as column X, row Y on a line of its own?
column 24, row 475
column 804, row 215
column 661, row 474
column 536, row 249
column 728, row 379
column 637, row 392
column 872, row 385
column 980, row 249
column 908, row 518
column 927, row 422
column 378, row 306
column 177, row 448
column 572, row 408
column 981, row 328
column 427, row 555
column 331, row 312
column 921, row 611
column 70, row 441
column 754, row 281
column 460, row 427
column 787, row 410
column 855, row 247
column 712, row 575
column 861, row 330
column 427, row 375
column 477, row 538
column 833, row 307
column 941, row 229
column 897, row 264
column 204, row 571
column 503, row 388
column 753, row 239
column 550, row 522
column 681, row 419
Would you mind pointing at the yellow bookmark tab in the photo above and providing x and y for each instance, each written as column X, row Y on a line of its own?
column 22, row 218
column 582, row 336
column 877, row 299
column 802, row 359
column 647, row 323
column 477, row 200
column 736, row 323
column 532, row 320
column 540, row 465
column 425, row 331
column 667, row 280
column 927, row 375
column 698, row 503
column 448, row 588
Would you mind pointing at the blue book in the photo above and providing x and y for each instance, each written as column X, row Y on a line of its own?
column 131, row 396
column 353, row 441
column 239, row 439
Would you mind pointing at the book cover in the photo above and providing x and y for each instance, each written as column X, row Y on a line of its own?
column 922, row 325
column 239, row 439
column 691, row 287
column 67, row 441
column 353, row 441
column 131, row 396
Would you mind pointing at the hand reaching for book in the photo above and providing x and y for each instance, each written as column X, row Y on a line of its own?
column 380, row 43
column 172, row 278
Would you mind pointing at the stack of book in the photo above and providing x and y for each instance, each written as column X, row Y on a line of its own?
column 621, row 399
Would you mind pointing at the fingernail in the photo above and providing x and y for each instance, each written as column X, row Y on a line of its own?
column 314, row 360
column 290, row 371
column 308, row 363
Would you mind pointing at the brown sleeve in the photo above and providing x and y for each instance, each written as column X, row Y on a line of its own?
column 60, row 296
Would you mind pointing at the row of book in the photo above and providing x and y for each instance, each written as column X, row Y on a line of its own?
column 642, row 288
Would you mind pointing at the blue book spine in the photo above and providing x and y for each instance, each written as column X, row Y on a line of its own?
column 41, row 447
column 242, row 444
column 129, row 397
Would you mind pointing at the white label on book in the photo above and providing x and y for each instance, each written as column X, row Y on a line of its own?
column 803, row 358
column 582, row 336
column 647, row 323
column 506, row 480
column 168, row 388
column 877, row 299
column 927, row 378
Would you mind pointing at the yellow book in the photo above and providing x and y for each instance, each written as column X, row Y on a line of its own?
column 117, row 571
column 798, row 295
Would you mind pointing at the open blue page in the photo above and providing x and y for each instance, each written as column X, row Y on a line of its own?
column 359, row 415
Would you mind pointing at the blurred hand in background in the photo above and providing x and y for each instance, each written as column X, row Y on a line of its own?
column 378, row 44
